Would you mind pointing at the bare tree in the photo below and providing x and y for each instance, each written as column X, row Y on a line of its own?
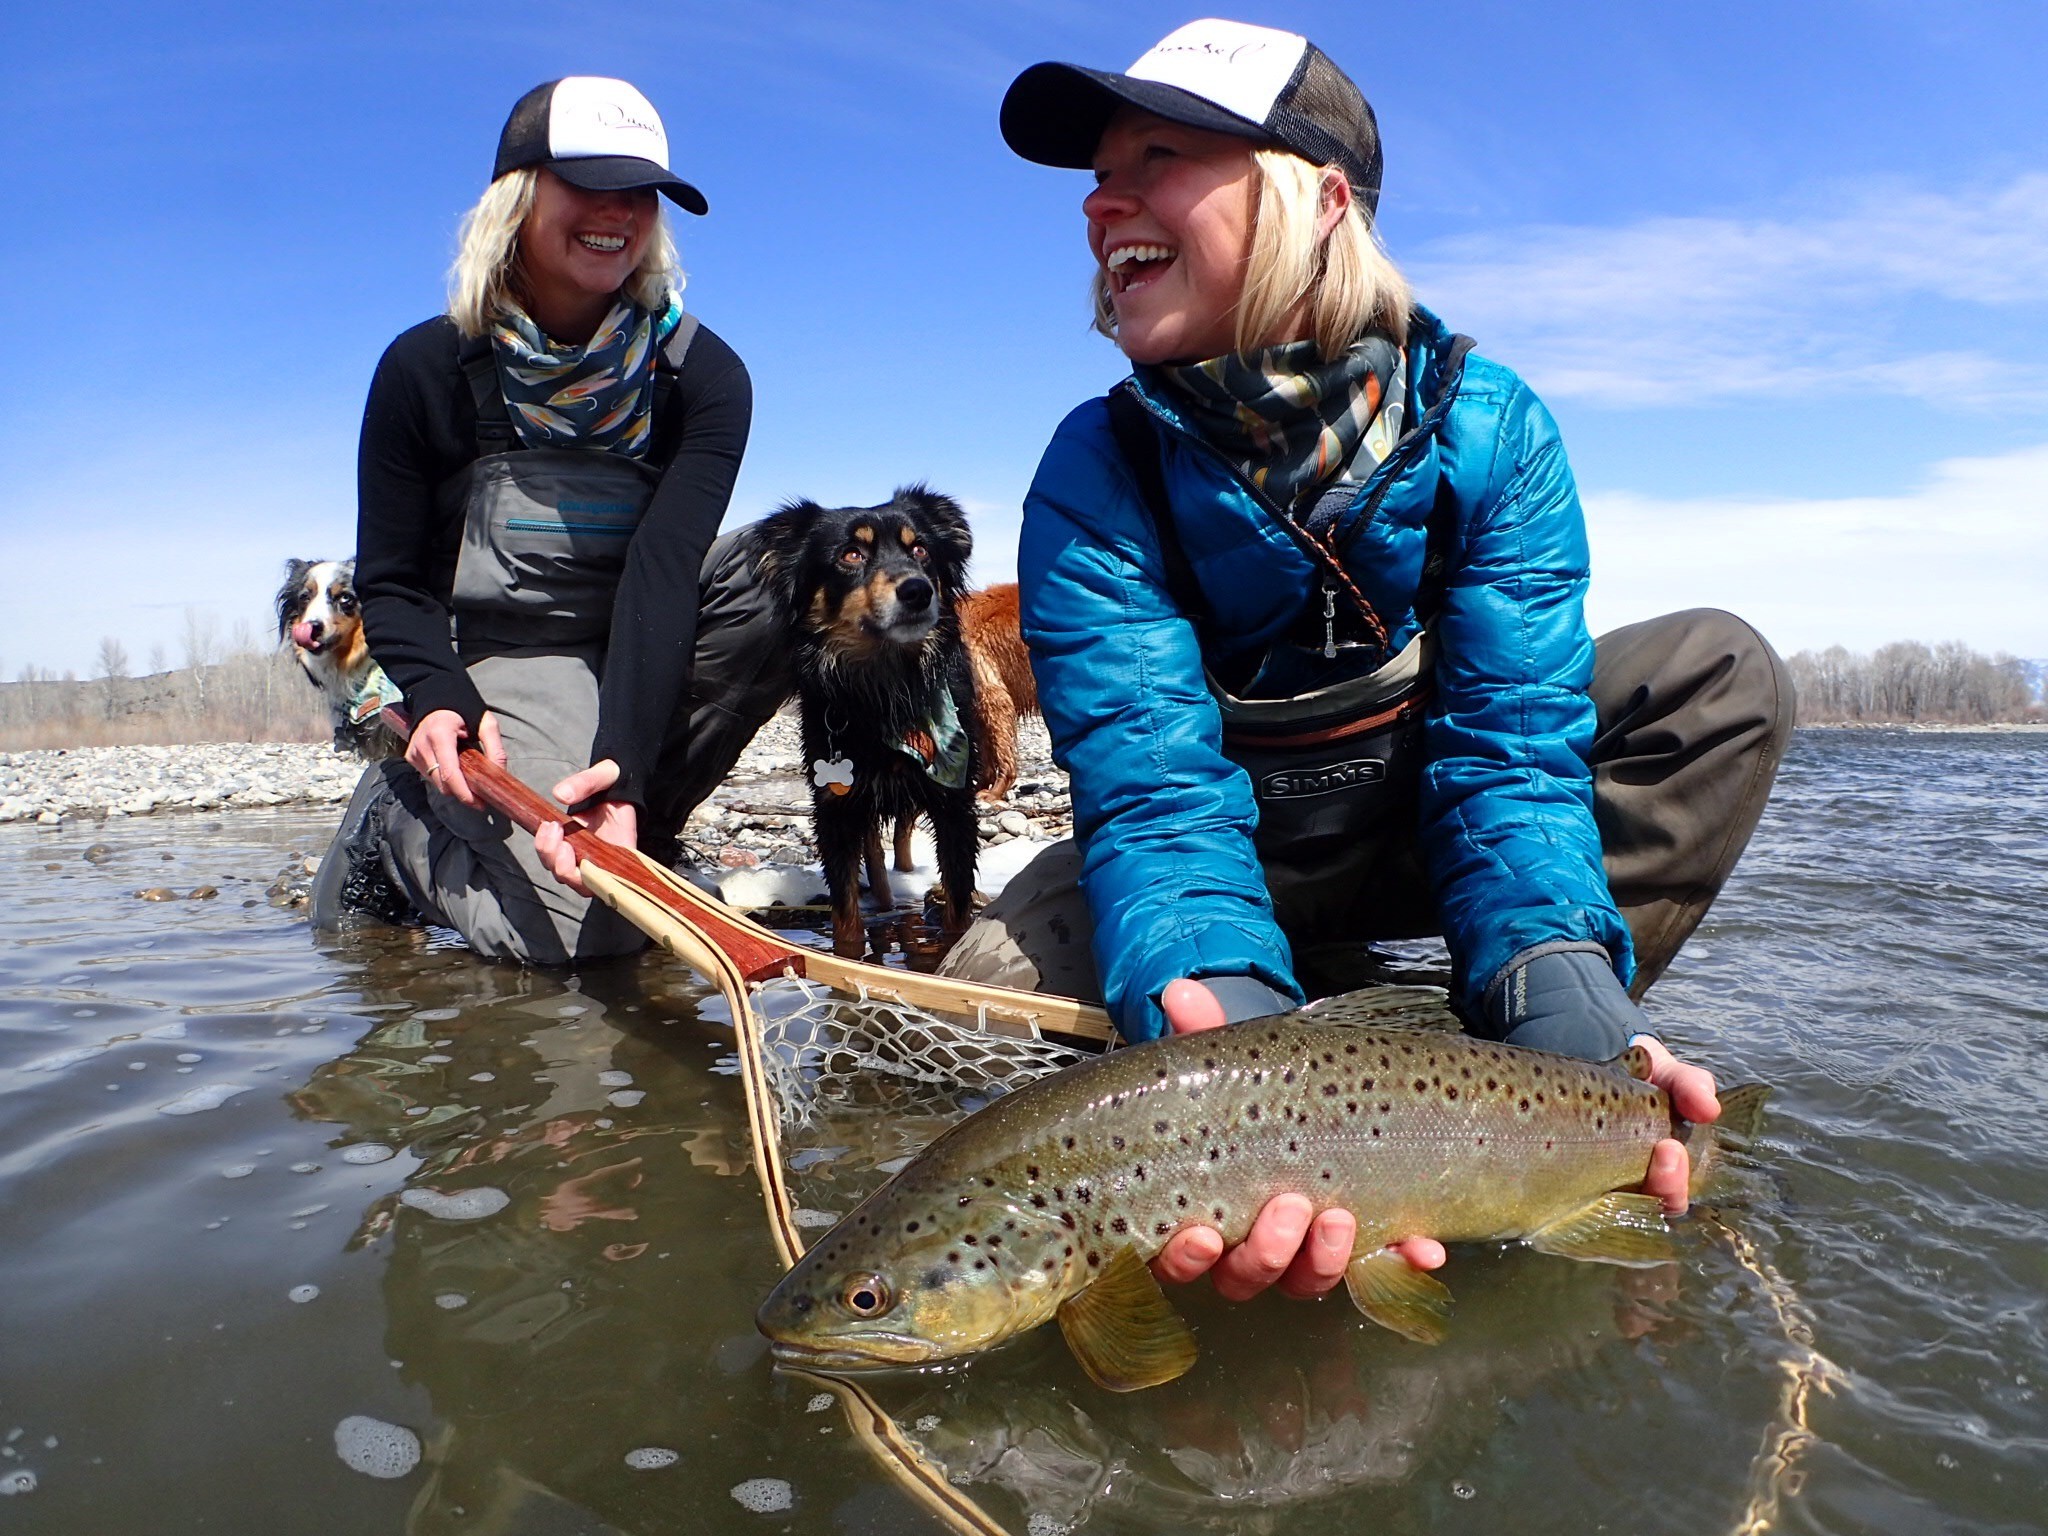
column 113, row 662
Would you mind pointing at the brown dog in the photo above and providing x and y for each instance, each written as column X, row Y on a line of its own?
column 1004, row 689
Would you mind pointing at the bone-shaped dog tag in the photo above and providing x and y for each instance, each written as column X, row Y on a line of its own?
column 833, row 774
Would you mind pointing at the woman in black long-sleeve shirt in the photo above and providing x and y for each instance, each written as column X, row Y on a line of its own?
column 542, row 473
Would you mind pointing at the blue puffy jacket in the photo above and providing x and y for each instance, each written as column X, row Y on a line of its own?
column 1166, row 820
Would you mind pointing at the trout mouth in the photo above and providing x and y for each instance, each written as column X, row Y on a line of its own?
column 875, row 1352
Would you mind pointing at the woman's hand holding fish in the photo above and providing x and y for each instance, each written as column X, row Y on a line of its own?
column 436, row 740
column 614, row 821
column 1289, row 1245
column 1692, row 1095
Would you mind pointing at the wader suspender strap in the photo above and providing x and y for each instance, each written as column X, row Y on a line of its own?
column 494, row 430
column 1137, row 440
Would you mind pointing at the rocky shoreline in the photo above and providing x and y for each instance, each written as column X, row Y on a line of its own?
column 759, row 816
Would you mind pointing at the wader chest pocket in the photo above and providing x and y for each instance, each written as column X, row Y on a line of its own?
column 544, row 541
column 1335, row 775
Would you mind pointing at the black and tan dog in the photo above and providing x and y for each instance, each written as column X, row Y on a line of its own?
column 884, row 684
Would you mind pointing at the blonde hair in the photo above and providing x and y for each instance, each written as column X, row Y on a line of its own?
column 1349, row 281
column 486, row 280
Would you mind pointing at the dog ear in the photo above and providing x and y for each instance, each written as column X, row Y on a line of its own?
column 287, row 595
column 785, row 544
column 942, row 518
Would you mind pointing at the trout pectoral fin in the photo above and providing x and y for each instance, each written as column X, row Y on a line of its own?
column 1615, row 1229
column 1122, row 1329
column 1397, row 1295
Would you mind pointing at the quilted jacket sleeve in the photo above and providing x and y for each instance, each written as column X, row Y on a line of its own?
column 1164, row 818
column 1507, row 797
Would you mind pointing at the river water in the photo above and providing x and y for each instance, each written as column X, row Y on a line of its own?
column 193, row 1305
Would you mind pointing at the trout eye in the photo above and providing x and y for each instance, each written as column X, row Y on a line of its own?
column 867, row 1296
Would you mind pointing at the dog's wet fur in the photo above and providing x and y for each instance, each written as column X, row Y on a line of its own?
column 1004, row 689
column 320, row 619
column 869, row 596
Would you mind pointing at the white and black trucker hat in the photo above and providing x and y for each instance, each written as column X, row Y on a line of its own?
column 594, row 133
column 1226, row 76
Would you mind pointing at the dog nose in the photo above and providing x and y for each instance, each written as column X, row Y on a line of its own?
column 914, row 594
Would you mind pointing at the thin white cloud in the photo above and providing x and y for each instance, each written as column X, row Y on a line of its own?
column 1962, row 556
column 1684, row 310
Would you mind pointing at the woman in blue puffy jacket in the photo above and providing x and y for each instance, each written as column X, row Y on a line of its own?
column 1304, row 600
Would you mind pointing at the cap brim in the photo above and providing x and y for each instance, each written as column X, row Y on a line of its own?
column 1054, row 114
column 627, row 173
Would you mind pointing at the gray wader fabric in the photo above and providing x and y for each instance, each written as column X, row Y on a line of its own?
column 477, row 873
column 1694, row 710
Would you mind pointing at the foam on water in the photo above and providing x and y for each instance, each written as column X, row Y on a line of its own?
column 625, row 1098
column 450, row 1301
column 302, row 1293
column 63, row 1059
column 819, row 1403
column 1042, row 1524
column 194, row 1100
column 437, row 1015
column 804, row 1216
column 374, row 1448
column 765, row 1495
column 367, row 1152
column 615, row 1079
column 19, row 1481
column 464, row 1205
column 651, row 1458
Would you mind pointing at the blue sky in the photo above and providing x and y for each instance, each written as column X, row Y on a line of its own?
column 1781, row 272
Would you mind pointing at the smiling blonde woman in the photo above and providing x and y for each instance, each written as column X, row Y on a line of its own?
column 542, row 474
column 1304, row 600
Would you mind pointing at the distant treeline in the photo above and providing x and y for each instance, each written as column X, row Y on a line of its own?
column 1908, row 682
column 250, row 692
column 240, row 691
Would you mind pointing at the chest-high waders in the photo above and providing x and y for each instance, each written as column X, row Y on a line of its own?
column 545, row 535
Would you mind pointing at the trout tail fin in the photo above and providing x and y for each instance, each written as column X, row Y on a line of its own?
column 1742, row 1113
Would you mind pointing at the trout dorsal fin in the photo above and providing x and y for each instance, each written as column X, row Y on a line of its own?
column 1122, row 1329
column 1635, row 1061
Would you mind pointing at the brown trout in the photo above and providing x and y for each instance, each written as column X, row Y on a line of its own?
column 1049, row 1202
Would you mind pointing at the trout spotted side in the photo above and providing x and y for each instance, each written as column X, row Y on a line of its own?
column 1048, row 1202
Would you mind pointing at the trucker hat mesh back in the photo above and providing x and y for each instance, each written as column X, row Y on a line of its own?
column 1327, row 117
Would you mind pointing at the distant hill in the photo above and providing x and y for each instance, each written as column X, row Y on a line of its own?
column 250, row 696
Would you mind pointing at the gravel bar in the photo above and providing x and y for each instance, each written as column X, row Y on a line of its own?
column 761, row 814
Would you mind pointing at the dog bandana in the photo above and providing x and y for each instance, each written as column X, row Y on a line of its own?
column 371, row 695
column 598, row 395
column 939, row 747
column 1291, row 421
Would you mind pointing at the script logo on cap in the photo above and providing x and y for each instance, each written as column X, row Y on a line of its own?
column 1241, row 68
column 591, row 116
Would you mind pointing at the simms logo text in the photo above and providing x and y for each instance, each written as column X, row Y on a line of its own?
column 1300, row 783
